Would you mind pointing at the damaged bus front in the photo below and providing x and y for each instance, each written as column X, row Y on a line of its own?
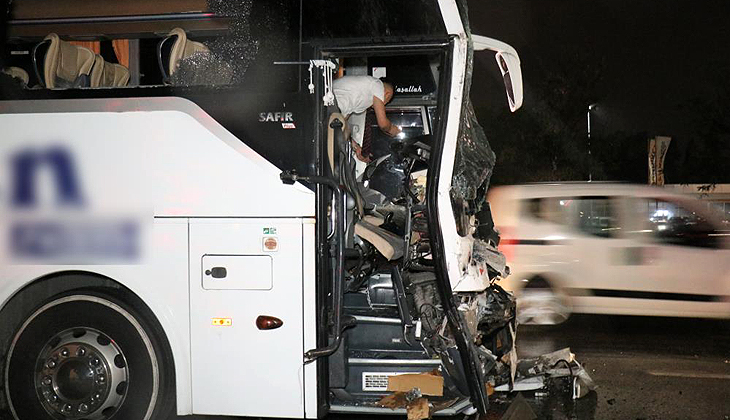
column 413, row 252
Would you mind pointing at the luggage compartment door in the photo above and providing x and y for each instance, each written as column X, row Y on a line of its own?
column 241, row 269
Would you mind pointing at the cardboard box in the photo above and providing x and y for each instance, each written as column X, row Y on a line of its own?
column 430, row 383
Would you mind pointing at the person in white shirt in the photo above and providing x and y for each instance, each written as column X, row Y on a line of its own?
column 355, row 94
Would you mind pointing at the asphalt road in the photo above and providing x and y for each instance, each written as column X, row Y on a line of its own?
column 646, row 368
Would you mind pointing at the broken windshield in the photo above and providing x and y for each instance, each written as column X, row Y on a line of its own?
column 475, row 159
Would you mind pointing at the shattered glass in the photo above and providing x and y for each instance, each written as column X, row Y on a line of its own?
column 256, row 38
column 229, row 57
column 475, row 159
column 473, row 166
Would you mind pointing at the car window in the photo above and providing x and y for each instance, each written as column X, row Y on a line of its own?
column 550, row 209
column 674, row 224
column 598, row 216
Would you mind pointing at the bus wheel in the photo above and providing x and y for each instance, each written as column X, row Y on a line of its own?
column 83, row 356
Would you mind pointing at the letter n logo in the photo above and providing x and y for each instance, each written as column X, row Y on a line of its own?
column 26, row 166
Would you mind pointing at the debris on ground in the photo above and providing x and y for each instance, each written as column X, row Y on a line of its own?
column 552, row 381
column 558, row 364
column 524, row 384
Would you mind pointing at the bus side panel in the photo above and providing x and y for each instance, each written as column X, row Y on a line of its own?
column 162, row 285
column 240, row 271
column 138, row 168
column 164, row 289
column 309, row 306
column 161, row 156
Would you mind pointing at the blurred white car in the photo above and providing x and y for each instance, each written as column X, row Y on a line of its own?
column 611, row 249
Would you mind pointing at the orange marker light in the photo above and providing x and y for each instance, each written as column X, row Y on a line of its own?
column 222, row 322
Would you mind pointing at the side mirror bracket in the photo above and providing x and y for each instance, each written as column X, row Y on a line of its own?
column 509, row 64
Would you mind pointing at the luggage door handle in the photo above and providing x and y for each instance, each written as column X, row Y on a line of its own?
column 217, row 272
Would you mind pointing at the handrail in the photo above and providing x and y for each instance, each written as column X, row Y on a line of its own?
column 338, row 277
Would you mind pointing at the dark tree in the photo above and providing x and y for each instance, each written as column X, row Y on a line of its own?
column 546, row 140
column 707, row 153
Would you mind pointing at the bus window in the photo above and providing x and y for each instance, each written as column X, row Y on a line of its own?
column 202, row 43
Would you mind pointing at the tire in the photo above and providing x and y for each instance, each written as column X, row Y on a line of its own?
column 86, row 356
column 539, row 304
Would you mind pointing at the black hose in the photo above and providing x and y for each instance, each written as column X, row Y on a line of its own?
column 348, row 179
column 357, row 281
column 570, row 369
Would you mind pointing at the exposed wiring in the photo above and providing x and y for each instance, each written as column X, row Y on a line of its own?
column 429, row 318
column 570, row 369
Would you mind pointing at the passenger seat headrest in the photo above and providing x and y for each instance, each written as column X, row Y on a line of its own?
column 64, row 65
column 169, row 57
column 105, row 74
column 18, row 73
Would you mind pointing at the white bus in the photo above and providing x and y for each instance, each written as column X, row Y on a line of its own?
column 186, row 229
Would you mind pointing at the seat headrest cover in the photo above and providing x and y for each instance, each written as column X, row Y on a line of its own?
column 178, row 49
column 115, row 75
column 105, row 74
column 183, row 48
column 67, row 65
column 97, row 71
column 18, row 73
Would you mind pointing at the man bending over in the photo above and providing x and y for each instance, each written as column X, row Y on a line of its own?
column 355, row 94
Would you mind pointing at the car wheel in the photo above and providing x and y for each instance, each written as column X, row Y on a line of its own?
column 87, row 357
column 539, row 304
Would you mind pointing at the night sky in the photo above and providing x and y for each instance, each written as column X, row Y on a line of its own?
column 656, row 57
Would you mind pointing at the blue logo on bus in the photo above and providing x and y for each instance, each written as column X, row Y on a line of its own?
column 26, row 166
column 72, row 235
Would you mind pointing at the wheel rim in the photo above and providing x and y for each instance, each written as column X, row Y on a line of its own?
column 81, row 373
column 155, row 372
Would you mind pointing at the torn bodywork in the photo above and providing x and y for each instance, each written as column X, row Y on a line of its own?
column 409, row 291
